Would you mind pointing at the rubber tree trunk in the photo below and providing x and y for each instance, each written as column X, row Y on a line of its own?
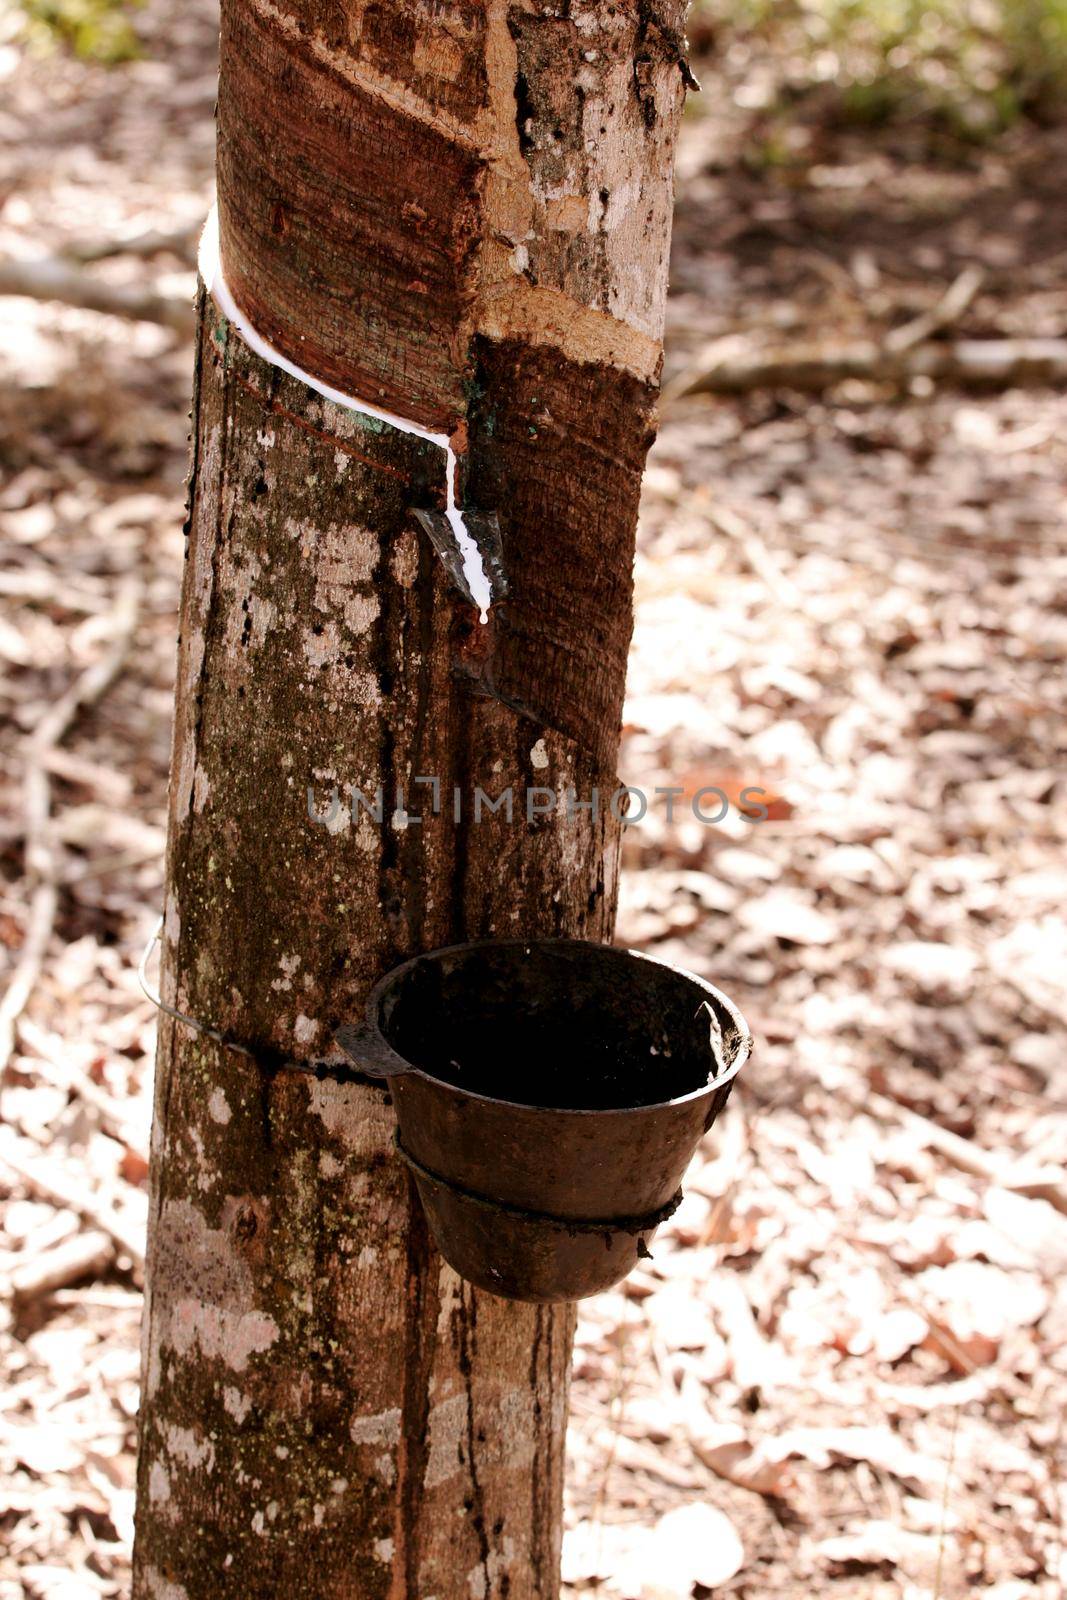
column 459, row 212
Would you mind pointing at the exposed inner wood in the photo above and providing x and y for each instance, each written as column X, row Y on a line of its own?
column 409, row 184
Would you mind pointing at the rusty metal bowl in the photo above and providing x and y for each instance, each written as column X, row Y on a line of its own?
column 549, row 1096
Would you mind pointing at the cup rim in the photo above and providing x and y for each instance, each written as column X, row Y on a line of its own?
column 381, row 989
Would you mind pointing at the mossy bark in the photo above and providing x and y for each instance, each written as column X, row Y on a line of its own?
column 328, row 1411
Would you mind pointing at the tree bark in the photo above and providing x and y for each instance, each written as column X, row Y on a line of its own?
column 460, row 213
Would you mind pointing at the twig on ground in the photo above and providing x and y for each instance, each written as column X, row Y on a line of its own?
column 63, row 1501
column 724, row 368
column 42, row 585
column 114, row 1115
column 624, row 1378
column 756, row 553
column 51, row 1183
column 948, row 310
column 1035, row 1183
column 152, row 242
column 51, row 278
column 949, row 1465
column 41, row 864
column 86, row 1255
column 101, row 1296
column 637, row 1456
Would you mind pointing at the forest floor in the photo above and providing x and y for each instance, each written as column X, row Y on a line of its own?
column 844, row 1371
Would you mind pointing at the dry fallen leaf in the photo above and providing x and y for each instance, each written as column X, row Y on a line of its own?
column 693, row 1544
column 879, row 1446
column 752, row 796
column 980, row 1304
column 728, row 1451
column 697, row 1544
column 681, row 1319
column 869, row 1544
column 787, row 914
column 41, row 1448
column 932, row 966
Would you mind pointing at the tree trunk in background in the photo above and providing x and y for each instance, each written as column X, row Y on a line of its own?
column 459, row 212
